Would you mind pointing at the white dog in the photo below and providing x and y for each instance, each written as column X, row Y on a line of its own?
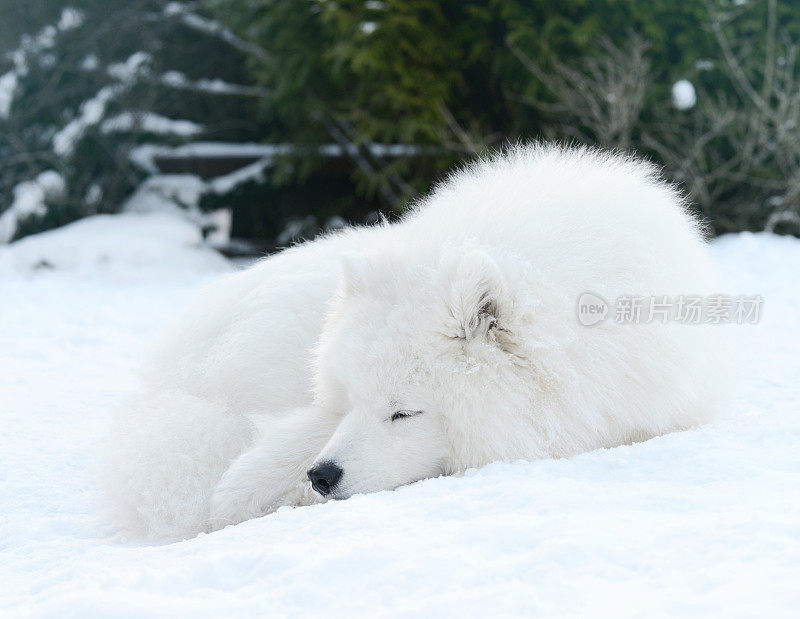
column 380, row 356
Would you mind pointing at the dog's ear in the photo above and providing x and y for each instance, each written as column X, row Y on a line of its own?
column 474, row 298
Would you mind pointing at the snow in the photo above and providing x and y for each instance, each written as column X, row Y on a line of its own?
column 30, row 199
column 129, row 70
column 175, row 8
column 135, row 245
column 219, row 86
column 253, row 172
column 144, row 155
column 684, row 96
column 71, row 19
column 179, row 195
column 156, row 192
column 93, row 110
column 177, row 79
column 184, row 11
column 52, row 185
column 220, row 222
column 93, row 195
column 32, row 47
column 703, row 64
column 223, row 149
column 8, row 88
column 90, row 62
column 698, row 523
column 150, row 122
column 91, row 113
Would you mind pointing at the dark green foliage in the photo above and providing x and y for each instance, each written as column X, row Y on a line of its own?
column 449, row 74
column 451, row 78
column 439, row 73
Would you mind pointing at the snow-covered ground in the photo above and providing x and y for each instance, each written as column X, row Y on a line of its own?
column 705, row 522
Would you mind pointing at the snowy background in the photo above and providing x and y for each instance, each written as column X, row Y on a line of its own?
column 705, row 522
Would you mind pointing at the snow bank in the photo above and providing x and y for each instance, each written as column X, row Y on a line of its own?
column 166, row 192
column 179, row 195
column 138, row 245
column 700, row 523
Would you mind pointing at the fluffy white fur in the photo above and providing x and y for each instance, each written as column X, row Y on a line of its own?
column 463, row 315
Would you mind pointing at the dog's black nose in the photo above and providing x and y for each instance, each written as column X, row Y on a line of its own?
column 324, row 477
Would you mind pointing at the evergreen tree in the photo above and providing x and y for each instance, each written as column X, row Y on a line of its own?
column 88, row 80
column 440, row 74
column 455, row 77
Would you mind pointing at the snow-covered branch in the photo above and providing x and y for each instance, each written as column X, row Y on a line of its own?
column 31, row 47
column 185, row 11
column 178, row 80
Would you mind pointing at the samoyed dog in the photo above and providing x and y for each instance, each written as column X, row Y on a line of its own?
column 376, row 357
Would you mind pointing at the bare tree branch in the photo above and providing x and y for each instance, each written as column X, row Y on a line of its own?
column 604, row 96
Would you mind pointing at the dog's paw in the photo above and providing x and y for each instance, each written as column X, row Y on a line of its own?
column 241, row 493
column 230, row 505
column 254, row 486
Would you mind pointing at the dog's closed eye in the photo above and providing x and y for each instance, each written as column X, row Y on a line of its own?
column 403, row 414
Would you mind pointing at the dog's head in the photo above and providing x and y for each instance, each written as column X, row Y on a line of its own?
column 415, row 359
